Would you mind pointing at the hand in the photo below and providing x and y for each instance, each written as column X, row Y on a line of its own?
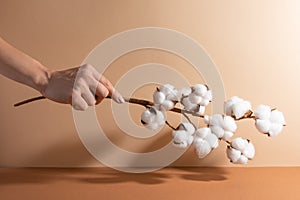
column 80, row 86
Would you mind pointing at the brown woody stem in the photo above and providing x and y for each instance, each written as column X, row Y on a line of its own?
column 142, row 102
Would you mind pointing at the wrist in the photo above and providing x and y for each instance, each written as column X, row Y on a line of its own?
column 42, row 78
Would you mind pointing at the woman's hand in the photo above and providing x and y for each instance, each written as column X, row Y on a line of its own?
column 80, row 86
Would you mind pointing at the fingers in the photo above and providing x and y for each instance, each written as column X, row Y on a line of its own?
column 101, row 92
column 90, row 84
column 78, row 102
column 115, row 95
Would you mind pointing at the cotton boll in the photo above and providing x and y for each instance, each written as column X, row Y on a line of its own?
column 158, row 97
column 277, row 117
column 239, row 143
column 202, row 132
column 182, row 139
column 160, row 117
column 207, row 119
column 216, row 120
column 194, row 98
column 275, row 129
column 227, row 135
column 262, row 112
column 232, row 154
column 147, row 117
column 167, row 105
column 190, row 139
column 188, row 127
column 262, row 125
column 201, row 110
column 229, row 124
column 167, row 89
column 239, row 109
column 187, row 104
column 242, row 160
column 184, row 92
column 199, row 89
column 179, row 138
column 204, row 102
column 249, row 151
column 228, row 104
column 218, row 131
column 173, row 97
column 208, row 95
column 212, row 140
column 202, row 147
column 152, row 126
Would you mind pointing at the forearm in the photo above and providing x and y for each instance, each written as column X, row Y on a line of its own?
column 20, row 67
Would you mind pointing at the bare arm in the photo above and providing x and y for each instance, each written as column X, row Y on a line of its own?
column 76, row 86
column 20, row 67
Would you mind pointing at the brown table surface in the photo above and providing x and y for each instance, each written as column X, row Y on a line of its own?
column 170, row 183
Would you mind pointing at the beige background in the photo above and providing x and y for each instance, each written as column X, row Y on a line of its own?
column 255, row 45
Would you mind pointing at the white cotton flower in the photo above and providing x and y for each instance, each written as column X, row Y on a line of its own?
column 228, row 104
column 263, row 125
column 218, row 131
column 186, row 126
column 201, row 110
column 200, row 89
column 212, row 140
column 269, row 121
column 222, row 127
column 147, row 117
column 159, row 97
column 206, row 98
column 202, row 132
column 275, row 129
column 277, row 117
column 237, row 107
column 242, row 160
column 204, row 141
column 206, row 134
column 240, row 151
column 153, row 118
column 165, row 97
column 183, row 135
column 202, row 147
column 188, row 105
column 249, row 151
column 206, row 119
column 182, row 138
column 167, row 105
column 167, row 89
column 216, row 120
column 152, row 126
column 262, row 112
column 233, row 154
column 239, row 143
column 194, row 98
column 229, row 124
column 227, row 135
column 183, row 92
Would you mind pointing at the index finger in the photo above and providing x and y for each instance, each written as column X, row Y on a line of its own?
column 115, row 95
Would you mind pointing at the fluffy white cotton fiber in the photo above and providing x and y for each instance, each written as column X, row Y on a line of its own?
column 183, row 136
column 240, row 151
column 222, row 127
column 165, row 97
column 269, row 121
column 205, row 141
column 237, row 107
column 153, row 118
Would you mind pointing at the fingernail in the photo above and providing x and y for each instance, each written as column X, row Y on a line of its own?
column 121, row 99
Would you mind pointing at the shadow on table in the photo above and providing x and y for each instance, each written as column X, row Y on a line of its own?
column 107, row 175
